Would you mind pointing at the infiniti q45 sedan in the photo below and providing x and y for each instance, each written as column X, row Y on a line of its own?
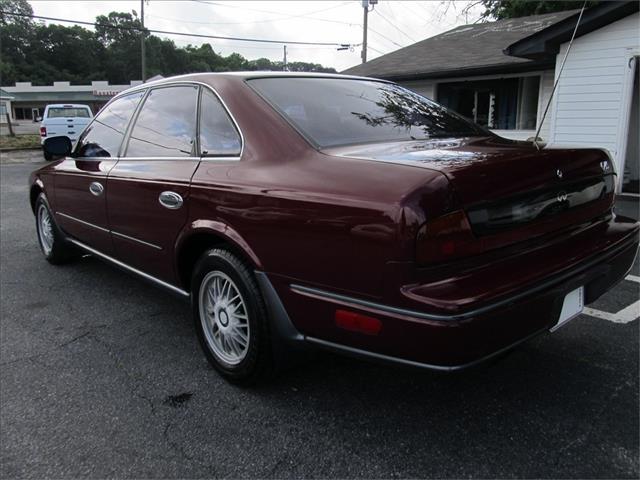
column 298, row 210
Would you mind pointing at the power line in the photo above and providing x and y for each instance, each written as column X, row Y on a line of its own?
column 394, row 18
column 271, row 12
column 413, row 12
column 253, row 21
column 393, row 25
column 375, row 49
column 385, row 37
column 166, row 32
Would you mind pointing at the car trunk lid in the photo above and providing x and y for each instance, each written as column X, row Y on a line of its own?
column 503, row 184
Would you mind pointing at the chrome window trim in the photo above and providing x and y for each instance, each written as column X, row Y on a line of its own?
column 131, row 269
column 219, row 159
column 182, row 159
column 178, row 83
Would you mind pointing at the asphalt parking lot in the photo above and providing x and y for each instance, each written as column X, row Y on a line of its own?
column 101, row 376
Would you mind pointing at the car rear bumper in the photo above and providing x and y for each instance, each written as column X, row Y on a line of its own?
column 455, row 340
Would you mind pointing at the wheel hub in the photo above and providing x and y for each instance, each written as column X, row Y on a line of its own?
column 223, row 317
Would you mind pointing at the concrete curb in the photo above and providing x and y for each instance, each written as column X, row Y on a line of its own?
column 19, row 149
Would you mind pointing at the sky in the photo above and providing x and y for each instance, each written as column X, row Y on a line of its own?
column 392, row 24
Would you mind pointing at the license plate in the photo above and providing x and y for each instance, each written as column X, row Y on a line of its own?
column 571, row 307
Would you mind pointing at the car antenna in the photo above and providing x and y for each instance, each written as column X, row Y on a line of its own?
column 555, row 84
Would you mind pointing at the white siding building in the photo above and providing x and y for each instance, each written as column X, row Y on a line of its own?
column 501, row 75
column 595, row 96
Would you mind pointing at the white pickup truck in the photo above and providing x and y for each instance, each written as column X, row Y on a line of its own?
column 64, row 121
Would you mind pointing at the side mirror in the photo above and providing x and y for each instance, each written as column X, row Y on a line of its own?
column 57, row 146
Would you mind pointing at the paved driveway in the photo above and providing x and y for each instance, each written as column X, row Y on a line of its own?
column 100, row 376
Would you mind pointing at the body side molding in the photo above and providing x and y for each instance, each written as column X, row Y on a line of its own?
column 128, row 268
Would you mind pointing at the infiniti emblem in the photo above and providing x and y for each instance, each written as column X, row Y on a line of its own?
column 559, row 173
column 562, row 197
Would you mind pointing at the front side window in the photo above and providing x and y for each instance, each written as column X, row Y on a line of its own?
column 332, row 111
column 166, row 125
column 218, row 136
column 104, row 135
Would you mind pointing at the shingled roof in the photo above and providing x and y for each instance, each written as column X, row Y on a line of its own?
column 464, row 50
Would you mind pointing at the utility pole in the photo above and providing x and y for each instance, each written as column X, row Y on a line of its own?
column 284, row 63
column 365, row 6
column 142, row 49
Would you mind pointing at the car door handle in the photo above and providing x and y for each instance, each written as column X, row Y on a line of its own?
column 170, row 200
column 96, row 188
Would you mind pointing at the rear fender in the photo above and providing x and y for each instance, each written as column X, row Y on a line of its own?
column 220, row 231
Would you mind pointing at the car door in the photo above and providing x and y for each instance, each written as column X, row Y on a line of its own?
column 148, row 189
column 80, row 180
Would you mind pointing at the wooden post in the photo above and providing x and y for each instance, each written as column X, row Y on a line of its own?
column 9, row 125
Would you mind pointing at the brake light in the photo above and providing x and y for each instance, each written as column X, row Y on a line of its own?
column 356, row 322
column 43, row 131
column 446, row 238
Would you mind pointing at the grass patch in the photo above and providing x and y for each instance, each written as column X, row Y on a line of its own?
column 20, row 141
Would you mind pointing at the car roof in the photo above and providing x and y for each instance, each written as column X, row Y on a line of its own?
column 207, row 77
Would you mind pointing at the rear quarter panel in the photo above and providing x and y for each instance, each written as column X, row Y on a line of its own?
column 310, row 217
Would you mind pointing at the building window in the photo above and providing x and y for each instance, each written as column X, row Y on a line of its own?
column 3, row 110
column 23, row 113
column 501, row 104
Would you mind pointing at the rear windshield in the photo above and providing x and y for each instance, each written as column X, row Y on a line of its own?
column 58, row 112
column 331, row 111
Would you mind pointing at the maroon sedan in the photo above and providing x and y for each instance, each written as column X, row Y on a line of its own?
column 340, row 212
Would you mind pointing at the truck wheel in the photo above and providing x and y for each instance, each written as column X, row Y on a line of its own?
column 230, row 318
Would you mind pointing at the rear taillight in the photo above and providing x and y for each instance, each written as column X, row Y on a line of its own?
column 446, row 238
column 43, row 131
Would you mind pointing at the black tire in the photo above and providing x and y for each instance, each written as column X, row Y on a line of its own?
column 256, row 365
column 47, row 156
column 57, row 250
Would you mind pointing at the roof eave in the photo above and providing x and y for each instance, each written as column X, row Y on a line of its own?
column 545, row 44
column 471, row 72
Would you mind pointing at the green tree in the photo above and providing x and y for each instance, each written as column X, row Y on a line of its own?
column 16, row 37
column 52, row 47
column 41, row 54
column 501, row 9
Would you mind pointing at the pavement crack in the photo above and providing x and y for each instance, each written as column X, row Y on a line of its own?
column 49, row 350
column 174, row 446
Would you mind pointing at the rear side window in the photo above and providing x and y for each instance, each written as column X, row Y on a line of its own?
column 166, row 125
column 104, row 135
column 61, row 112
column 218, row 136
column 334, row 111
